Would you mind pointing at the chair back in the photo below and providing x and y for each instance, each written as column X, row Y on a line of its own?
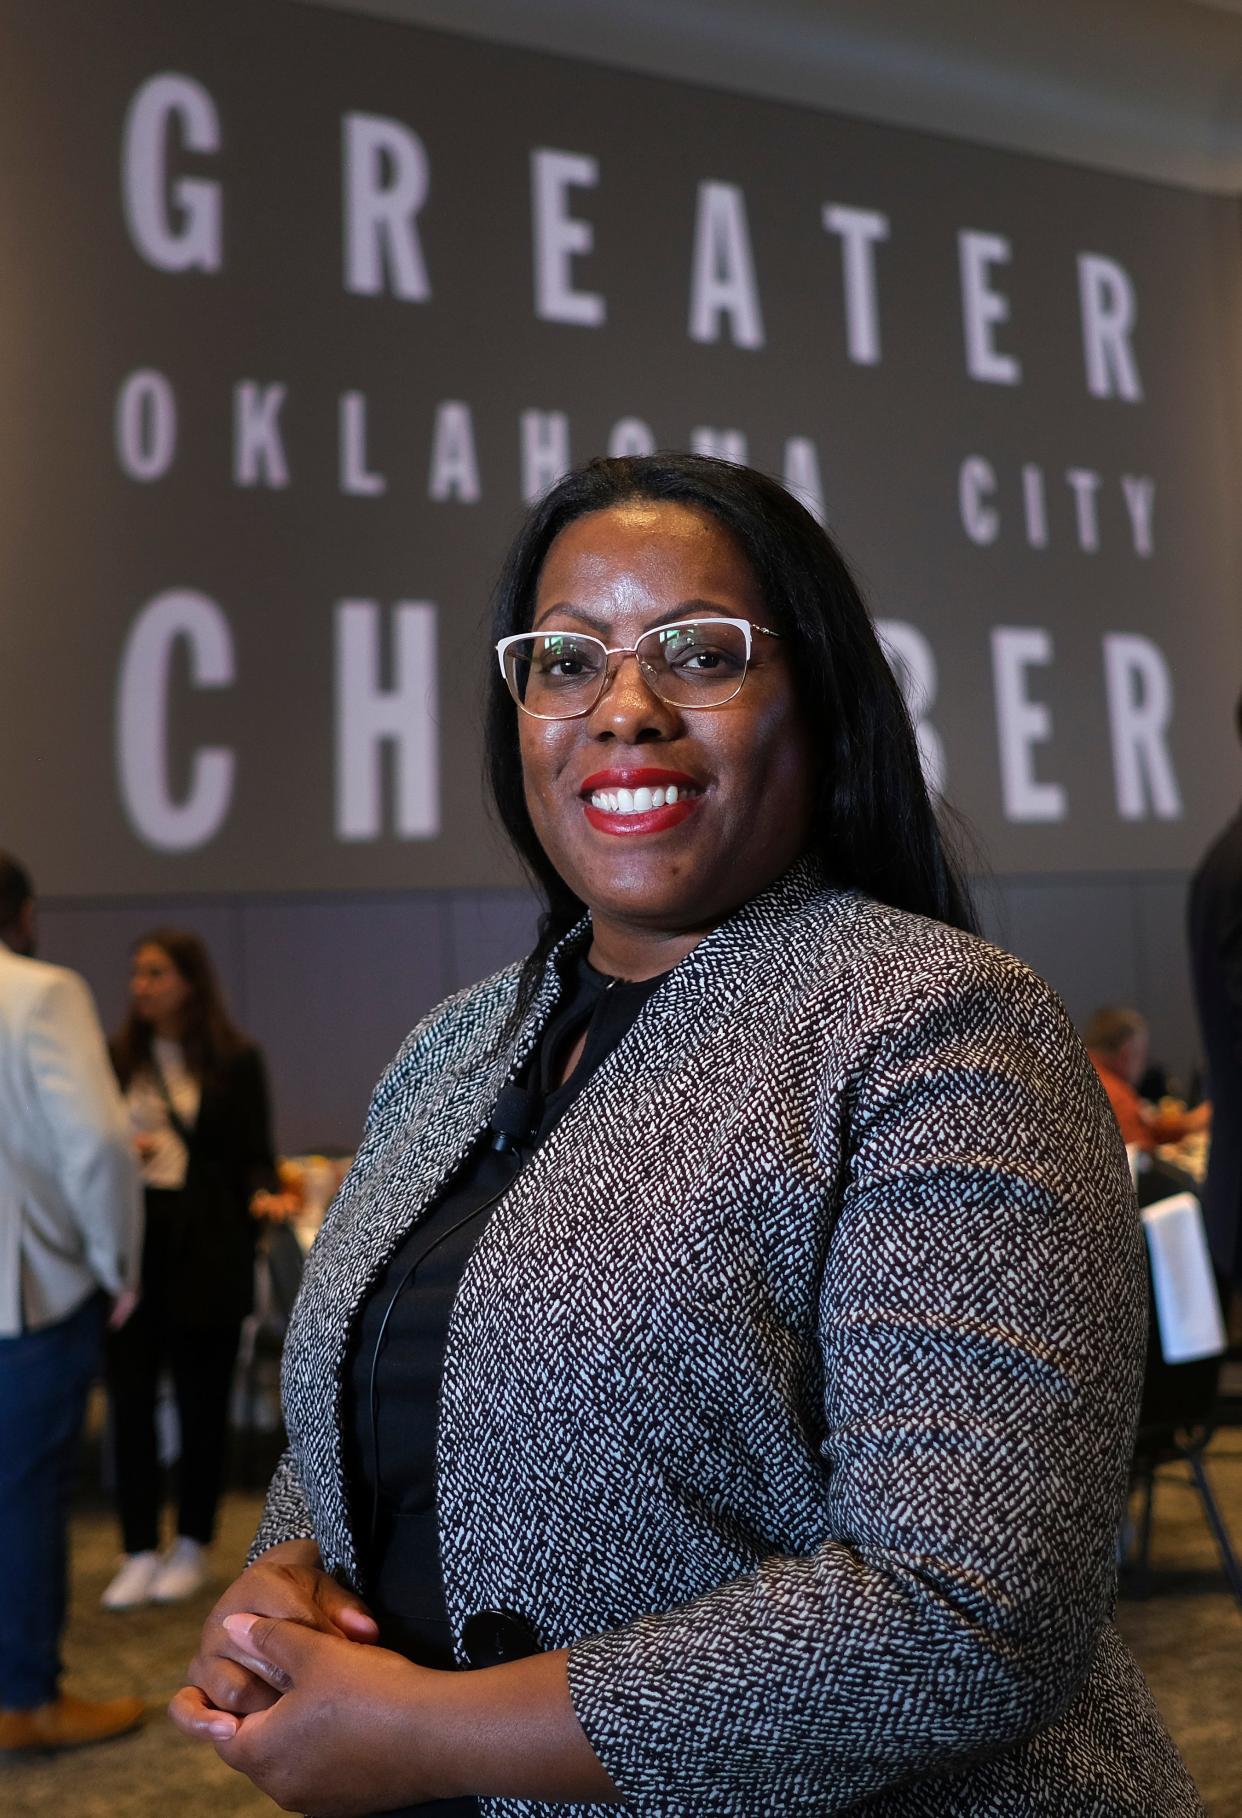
column 1185, row 1333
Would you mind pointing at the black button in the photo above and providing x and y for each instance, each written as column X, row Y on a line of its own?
column 492, row 1637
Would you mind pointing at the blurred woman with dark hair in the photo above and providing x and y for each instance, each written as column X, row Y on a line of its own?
column 197, row 1098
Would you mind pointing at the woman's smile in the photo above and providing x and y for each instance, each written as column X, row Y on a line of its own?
column 636, row 801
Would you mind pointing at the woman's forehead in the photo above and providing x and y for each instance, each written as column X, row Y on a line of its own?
column 645, row 555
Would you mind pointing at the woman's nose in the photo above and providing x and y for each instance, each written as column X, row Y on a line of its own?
column 629, row 707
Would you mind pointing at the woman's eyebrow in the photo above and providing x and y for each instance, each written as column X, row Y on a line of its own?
column 686, row 609
column 599, row 626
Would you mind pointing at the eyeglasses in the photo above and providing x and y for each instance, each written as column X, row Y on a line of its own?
column 558, row 675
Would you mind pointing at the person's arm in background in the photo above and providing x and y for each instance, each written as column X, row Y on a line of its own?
column 253, row 1111
column 76, row 1091
column 1172, row 1126
column 1230, row 948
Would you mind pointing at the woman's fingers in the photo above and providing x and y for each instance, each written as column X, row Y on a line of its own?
column 270, row 1647
column 230, row 1682
column 228, row 1686
column 344, row 1610
column 300, row 1594
column 195, row 1716
column 346, row 1737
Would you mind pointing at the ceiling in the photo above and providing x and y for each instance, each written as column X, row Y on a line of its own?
column 1150, row 87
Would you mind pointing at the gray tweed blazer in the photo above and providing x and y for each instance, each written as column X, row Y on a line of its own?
column 791, row 1385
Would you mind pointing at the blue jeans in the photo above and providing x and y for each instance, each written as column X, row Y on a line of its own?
column 44, row 1378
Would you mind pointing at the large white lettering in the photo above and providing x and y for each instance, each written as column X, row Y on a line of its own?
column 545, row 451
column 1035, row 505
column 258, row 452
column 157, row 816
column 192, row 242
column 356, row 476
column 802, row 476
column 1085, row 484
column 724, row 444
column 386, row 178
column 454, row 460
column 560, row 236
column 370, row 717
column 145, row 425
column 988, row 508
column 1140, row 496
column 722, row 277
column 631, row 436
column 1140, row 708
column 976, row 483
column 983, row 308
column 913, row 662
column 860, row 230
column 1021, row 724
column 1109, row 308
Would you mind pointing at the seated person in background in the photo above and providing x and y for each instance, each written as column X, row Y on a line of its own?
column 1117, row 1040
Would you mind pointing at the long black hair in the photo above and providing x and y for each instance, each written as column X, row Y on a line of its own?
column 874, row 826
column 209, row 1037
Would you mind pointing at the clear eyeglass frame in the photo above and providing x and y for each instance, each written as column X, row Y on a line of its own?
column 746, row 626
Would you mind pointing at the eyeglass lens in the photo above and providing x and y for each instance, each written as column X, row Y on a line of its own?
column 556, row 674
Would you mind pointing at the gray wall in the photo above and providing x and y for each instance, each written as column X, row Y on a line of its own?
column 1149, row 87
column 329, row 986
column 1107, row 940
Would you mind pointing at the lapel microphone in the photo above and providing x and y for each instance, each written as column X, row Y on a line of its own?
column 515, row 1116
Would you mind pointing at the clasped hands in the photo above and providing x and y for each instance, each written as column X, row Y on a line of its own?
column 292, row 1690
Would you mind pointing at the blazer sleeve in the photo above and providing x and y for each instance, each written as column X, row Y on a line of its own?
column 981, row 1332
column 286, row 1513
column 77, row 1093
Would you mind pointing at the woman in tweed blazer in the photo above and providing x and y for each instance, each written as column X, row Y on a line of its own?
column 788, row 1391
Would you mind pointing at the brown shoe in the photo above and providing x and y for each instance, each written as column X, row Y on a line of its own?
column 69, row 1723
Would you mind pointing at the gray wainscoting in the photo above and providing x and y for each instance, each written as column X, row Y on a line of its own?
column 329, row 986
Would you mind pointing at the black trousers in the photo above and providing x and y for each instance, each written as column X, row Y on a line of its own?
column 200, row 1360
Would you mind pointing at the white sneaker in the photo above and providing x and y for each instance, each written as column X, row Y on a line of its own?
column 132, row 1585
column 181, row 1572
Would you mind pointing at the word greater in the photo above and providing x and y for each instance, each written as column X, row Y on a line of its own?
column 177, row 223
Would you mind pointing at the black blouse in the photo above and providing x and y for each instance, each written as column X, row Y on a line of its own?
column 396, row 1354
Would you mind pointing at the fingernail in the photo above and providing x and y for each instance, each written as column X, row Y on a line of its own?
column 222, row 1730
column 240, row 1624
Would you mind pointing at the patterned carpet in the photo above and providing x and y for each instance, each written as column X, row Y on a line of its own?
column 1187, row 1635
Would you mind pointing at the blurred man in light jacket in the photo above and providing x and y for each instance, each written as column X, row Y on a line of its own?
column 70, row 1247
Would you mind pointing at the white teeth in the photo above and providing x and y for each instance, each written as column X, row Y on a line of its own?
column 636, row 801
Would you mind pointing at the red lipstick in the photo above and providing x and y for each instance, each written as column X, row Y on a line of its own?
column 650, row 820
column 643, row 778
